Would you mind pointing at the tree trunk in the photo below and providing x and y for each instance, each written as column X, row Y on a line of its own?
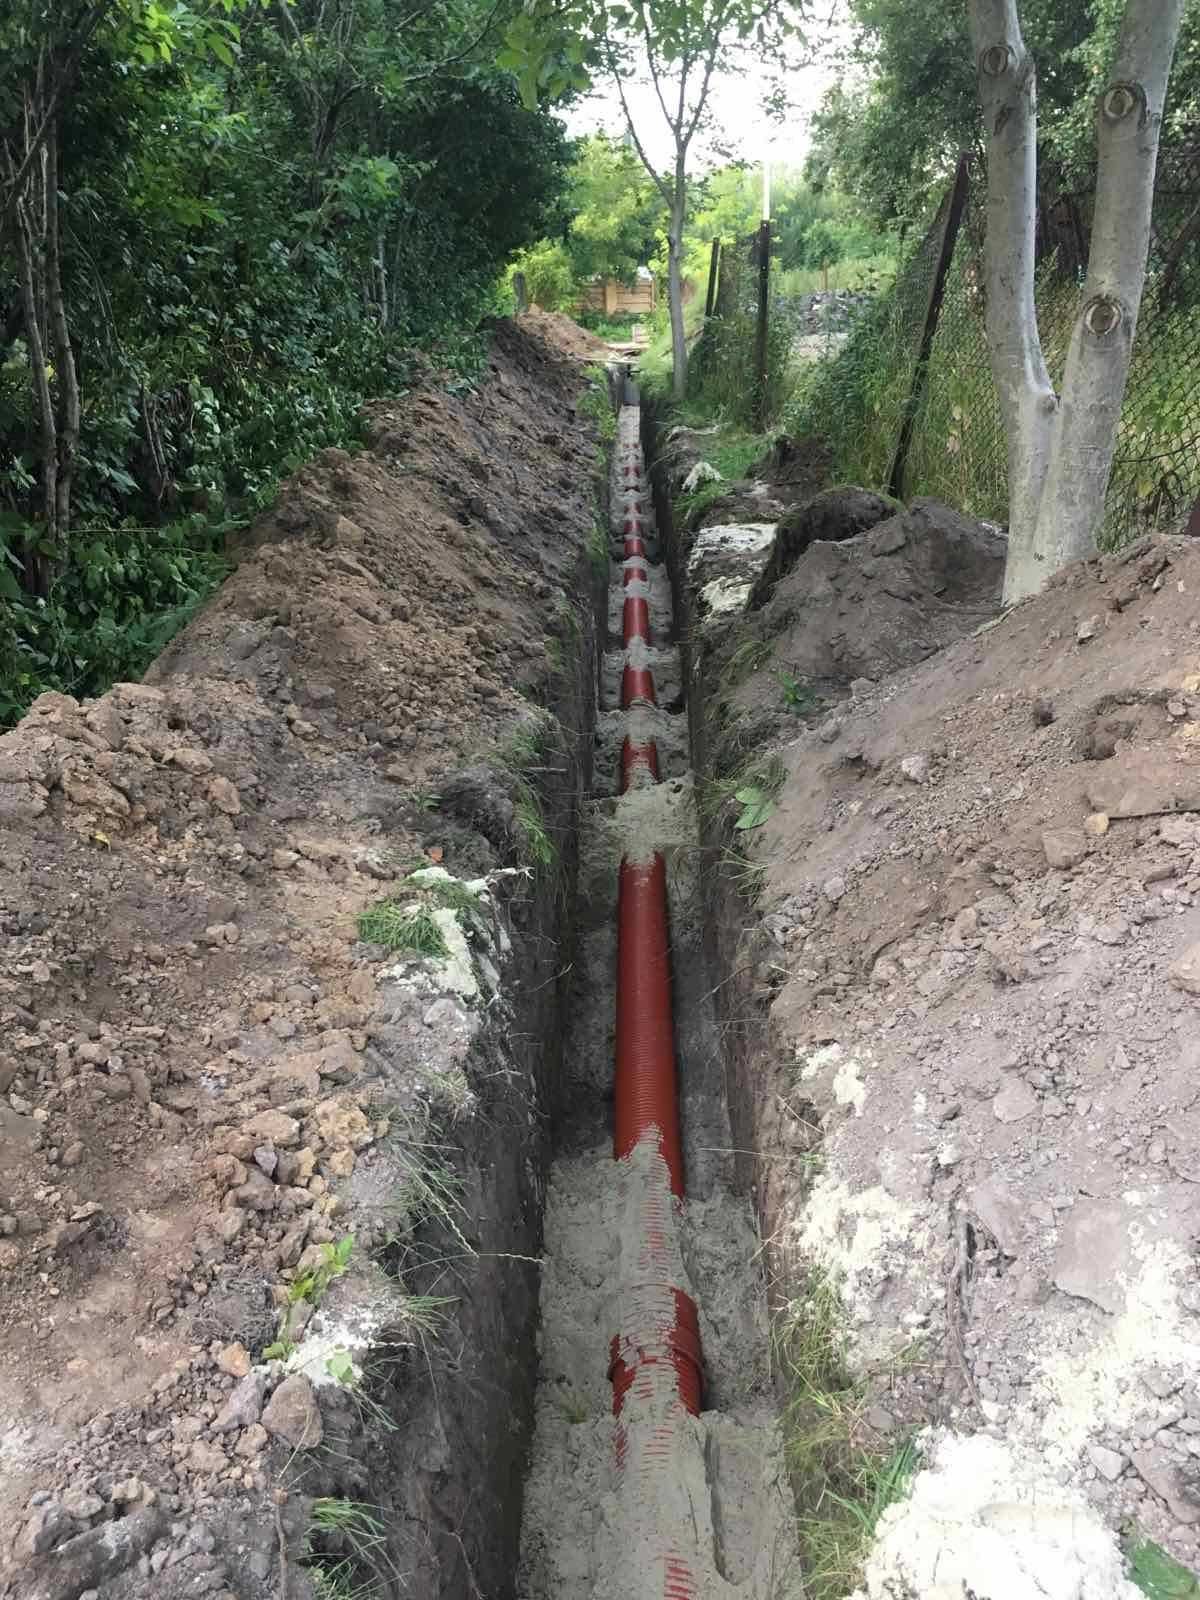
column 66, row 377
column 37, row 572
column 1008, row 94
column 1060, row 454
column 1128, row 120
column 675, row 293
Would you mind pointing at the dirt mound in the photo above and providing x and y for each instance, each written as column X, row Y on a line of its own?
column 831, row 516
column 982, row 937
column 854, row 611
column 207, row 1079
column 564, row 335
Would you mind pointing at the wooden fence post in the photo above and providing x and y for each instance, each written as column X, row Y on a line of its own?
column 933, row 310
column 760, row 333
column 519, row 292
column 712, row 278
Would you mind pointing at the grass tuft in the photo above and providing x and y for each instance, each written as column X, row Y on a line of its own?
column 402, row 925
column 842, row 1484
column 346, row 1550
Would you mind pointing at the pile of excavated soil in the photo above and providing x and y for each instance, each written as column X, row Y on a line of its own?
column 555, row 329
column 979, row 925
column 841, row 594
column 198, row 1060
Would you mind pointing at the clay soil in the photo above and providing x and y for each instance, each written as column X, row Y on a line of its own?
column 190, row 1030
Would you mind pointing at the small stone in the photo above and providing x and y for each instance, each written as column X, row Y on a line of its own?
column 833, row 889
column 1108, row 1463
column 1087, row 630
column 1064, row 848
column 915, row 768
column 1160, row 1383
column 224, row 796
column 340, row 1164
column 1176, row 709
column 292, row 1414
column 1167, row 1482
column 244, row 1405
column 49, row 1525
column 1014, row 1102
column 81, row 1505
column 207, row 1459
column 193, row 761
column 235, row 1360
column 281, row 860
column 265, row 1159
column 1096, row 824
column 1043, row 712
column 254, row 1440
column 229, row 1224
column 273, row 1127
column 1184, row 973
column 829, row 730
column 1093, row 1253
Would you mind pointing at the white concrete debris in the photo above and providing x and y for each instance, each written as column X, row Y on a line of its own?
column 986, row 1518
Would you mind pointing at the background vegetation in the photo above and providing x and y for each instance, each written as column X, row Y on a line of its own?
column 260, row 212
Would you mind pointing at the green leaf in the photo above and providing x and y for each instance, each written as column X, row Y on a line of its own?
column 1157, row 1575
column 757, row 805
column 340, row 1368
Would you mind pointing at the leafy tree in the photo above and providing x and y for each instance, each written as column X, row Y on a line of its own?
column 616, row 210
column 549, row 277
column 244, row 215
column 682, row 45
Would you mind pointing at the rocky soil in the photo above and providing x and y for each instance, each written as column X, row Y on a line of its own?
column 265, row 1185
column 965, row 1006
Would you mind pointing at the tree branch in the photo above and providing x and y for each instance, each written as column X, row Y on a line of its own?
column 659, row 184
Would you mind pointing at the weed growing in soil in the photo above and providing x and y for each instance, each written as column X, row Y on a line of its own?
column 596, row 404
column 1157, row 1574
column 450, row 893
column 524, row 750
column 842, row 1484
column 345, row 1539
column 402, row 925
column 798, row 696
column 745, row 661
column 598, row 548
column 754, row 788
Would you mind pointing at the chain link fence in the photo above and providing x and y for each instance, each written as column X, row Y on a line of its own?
column 723, row 373
column 934, row 428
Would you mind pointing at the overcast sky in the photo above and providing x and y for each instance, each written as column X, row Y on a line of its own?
column 736, row 103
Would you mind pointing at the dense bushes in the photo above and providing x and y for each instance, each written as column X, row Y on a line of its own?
column 255, row 220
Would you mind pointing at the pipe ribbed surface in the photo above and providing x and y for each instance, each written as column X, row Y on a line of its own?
column 646, row 1093
column 655, row 1359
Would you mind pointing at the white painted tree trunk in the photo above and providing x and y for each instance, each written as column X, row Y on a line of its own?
column 1060, row 449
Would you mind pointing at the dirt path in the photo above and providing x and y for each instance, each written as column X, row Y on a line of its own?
column 592, row 1532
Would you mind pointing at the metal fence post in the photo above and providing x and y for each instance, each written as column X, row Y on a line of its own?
column 933, row 308
column 760, row 333
column 712, row 278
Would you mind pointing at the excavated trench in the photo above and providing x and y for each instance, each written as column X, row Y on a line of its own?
column 656, row 1469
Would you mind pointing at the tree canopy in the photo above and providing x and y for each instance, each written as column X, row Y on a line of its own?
column 894, row 140
column 240, row 218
